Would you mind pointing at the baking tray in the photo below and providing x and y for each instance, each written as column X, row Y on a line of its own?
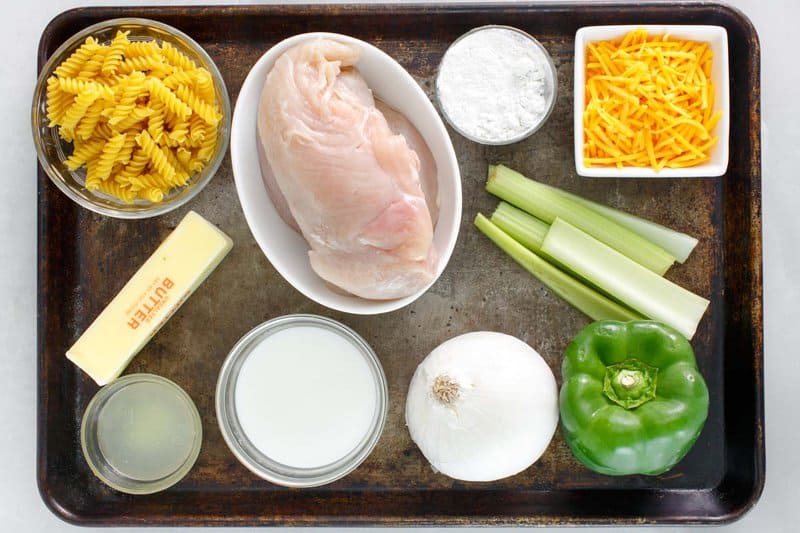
column 84, row 259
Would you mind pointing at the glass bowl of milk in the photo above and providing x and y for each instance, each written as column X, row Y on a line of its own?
column 301, row 400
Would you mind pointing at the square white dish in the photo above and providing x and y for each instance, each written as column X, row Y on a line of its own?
column 717, row 37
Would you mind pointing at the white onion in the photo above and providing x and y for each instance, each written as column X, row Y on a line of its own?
column 482, row 406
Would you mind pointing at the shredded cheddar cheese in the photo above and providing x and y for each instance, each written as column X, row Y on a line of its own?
column 649, row 102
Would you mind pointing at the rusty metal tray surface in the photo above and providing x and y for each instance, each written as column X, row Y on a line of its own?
column 84, row 259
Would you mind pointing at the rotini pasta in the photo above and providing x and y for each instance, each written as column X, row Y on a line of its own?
column 164, row 94
column 77, row 86
column 149, row 181
column 118, row 190
column 155, row 122
column 114, row 56
column 177, row 58
column 178, row 133
column 154, row 194
column 205, row 86
column 104, row 131
column 108, row 156
column 178, row 77
column 138, row 114
column 154, row 64
column 75, row 62
column 92, row 67
column 142, row 49
column 197, row 130
column 57, row 102
column 133, row 87
column 76, row 111
column 88, row 123
column 84, row 152
column 184, row 156
column 181, row 173
column 125, row 152
column 203, row 109
column 142, row 116
column 156, row 155
column 208, row 145
column 135, row 167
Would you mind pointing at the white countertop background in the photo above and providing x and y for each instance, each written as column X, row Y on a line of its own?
column 21, row 509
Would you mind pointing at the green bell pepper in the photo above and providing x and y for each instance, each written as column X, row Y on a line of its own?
column 632, row 400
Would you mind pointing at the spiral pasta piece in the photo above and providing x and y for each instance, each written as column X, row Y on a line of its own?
column 171, row 102
column 77, row 86
column 135, row 166
column 83, row 153
column 197, row 130
column 184, row 156
column 71, row 66
column 177, row 58
column 138, row 114
column 92, row 67
column 205, row 110
column 104, row 131
column 114, row 56
column 154, row 194
column 88, row 123
column 108, row 156
column 92, row 181
column 150, row 181
column 208, row 146
column 77, row 110
column 181, row 172
column 117, row 190
column 133, row 88
column 204, row 86
column 125, row 152
column 178, row 77
column 153, row 64
column 142, row 49
column 155, row 122
column 179, row 133
column 156, row 155
column 57, row 101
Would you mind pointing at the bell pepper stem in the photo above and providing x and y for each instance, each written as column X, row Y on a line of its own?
column 630, row 383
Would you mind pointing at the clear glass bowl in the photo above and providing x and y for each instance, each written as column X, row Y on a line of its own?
column 248, row 454
column 53, row 151
column 550, row 89
column 125, row 406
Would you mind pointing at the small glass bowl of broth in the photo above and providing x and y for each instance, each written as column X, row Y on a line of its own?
column 141, row 434
column 301, row 400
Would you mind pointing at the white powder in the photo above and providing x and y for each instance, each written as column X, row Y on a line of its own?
column 493, row 84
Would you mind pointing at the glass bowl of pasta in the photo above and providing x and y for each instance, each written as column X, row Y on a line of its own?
column 131, row 118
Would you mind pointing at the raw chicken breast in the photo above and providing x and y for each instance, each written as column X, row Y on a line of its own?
column 428, row 173
column 351, row 184
column 400, row 125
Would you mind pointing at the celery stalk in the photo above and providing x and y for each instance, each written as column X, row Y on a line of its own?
column 624, row 279
column 524, row 228
column 676, row 243
column 542, row 202
column 586, row 300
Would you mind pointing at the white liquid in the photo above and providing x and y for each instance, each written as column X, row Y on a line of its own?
column 305, row 396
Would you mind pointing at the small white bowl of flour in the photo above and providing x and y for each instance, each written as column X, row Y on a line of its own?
column 496, row 85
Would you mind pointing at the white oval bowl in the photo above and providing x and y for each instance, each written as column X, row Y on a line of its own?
column 286, row 249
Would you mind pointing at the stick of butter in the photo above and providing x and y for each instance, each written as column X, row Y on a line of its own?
column 183, row 261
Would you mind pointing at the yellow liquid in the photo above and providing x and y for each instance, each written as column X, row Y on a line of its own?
column 146, row 431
